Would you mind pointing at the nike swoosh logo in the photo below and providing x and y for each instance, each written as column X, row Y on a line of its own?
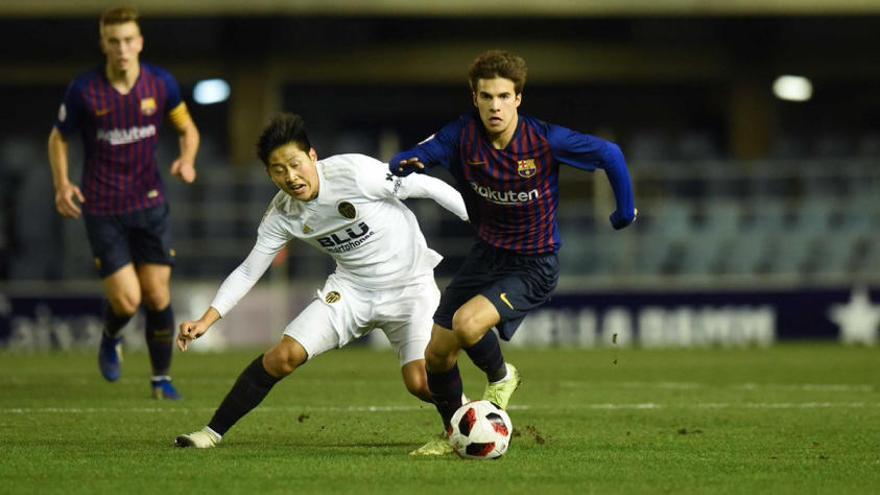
column 475, row 163
column 102, row 112
column 503, row 297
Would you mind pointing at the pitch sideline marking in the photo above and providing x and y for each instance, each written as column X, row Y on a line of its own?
column 383, row 409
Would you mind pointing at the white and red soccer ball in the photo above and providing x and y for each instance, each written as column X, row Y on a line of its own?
column 480, row 430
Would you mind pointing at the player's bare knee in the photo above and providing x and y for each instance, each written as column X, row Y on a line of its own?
column 439, row 359
column 283, row 359
column 467, row 329
column 125, row 304
column 156, row 299
column 278, row 365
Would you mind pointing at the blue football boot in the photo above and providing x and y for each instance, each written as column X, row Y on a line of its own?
column 110, row 357
column 163, row 389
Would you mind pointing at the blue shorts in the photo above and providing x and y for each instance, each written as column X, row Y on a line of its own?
column 514, row 283
column 141, row 237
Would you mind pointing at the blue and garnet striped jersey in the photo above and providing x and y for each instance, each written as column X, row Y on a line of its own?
column 120, row 134
column 513, row 193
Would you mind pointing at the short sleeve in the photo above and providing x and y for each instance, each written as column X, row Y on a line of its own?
column 70, row 111
column 173, row 98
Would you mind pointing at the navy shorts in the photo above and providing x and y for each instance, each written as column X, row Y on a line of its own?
column 514, row 283
column 142, row 236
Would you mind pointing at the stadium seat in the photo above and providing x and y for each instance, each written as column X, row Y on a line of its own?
column 662, row 237
column 813, row 215
column 791, row 252
column 649, row 145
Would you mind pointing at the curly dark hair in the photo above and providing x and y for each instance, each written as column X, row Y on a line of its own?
column 499, row 63
column 284, row 128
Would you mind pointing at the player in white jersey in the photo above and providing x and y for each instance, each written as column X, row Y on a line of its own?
column 349, row 207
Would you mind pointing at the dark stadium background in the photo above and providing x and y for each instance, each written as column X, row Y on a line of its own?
column 747, row 201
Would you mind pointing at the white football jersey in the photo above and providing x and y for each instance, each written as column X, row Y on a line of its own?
column 358, row 219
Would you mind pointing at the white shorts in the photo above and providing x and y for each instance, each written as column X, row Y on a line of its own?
column 343, row 312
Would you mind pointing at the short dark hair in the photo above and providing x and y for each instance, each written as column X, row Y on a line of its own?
column 499, row 63
column 284, row 128
column 119, row 15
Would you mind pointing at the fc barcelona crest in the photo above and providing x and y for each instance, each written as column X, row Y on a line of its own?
column 526, row 168
column 148, row 106
column 332, row 297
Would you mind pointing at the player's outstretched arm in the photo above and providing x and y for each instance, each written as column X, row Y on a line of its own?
column 66, row 193
column 439, row 149
column 425, row 186
column 191, row 330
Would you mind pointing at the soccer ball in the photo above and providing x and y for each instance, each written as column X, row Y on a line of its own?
column 480, row 430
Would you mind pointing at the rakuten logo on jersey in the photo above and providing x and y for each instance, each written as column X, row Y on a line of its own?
column 126, row 136
column 505, row 197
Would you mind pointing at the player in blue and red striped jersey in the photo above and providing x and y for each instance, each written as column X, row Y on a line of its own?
column 117, row 109
column 507, row 168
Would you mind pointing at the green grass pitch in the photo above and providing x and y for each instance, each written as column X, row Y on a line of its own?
column 789, row 419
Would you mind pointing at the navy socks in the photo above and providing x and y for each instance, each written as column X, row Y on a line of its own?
column 113, row 323
column 486, row 355
column 160, row 339
column 249, row 390
column 446, row 389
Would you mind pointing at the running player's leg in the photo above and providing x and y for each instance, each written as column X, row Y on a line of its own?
column 155, row 282
column 256, row 381
column 310, row 334
column 444, row 382
column 108, row 240
column 472, row 325
column 410, row 341
column 251, row 387
column 123, row 295
column 416, row 380
column 150, row 238
column 405, row 315
column 444, row 378
column 441, row 356
column 522, row 284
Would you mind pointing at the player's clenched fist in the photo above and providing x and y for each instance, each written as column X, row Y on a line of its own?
column 189, row 331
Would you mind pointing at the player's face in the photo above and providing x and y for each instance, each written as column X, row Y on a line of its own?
column 497, row 101
column 294, row 171
column 122, row 44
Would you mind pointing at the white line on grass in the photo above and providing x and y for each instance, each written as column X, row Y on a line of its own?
column 383, row 409
column 813, row 387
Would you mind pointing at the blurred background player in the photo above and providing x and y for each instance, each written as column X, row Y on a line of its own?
column 507, row 168
column 349, row 207
column 118, row 109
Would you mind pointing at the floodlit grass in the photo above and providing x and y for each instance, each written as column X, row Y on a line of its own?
column 790, row 419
